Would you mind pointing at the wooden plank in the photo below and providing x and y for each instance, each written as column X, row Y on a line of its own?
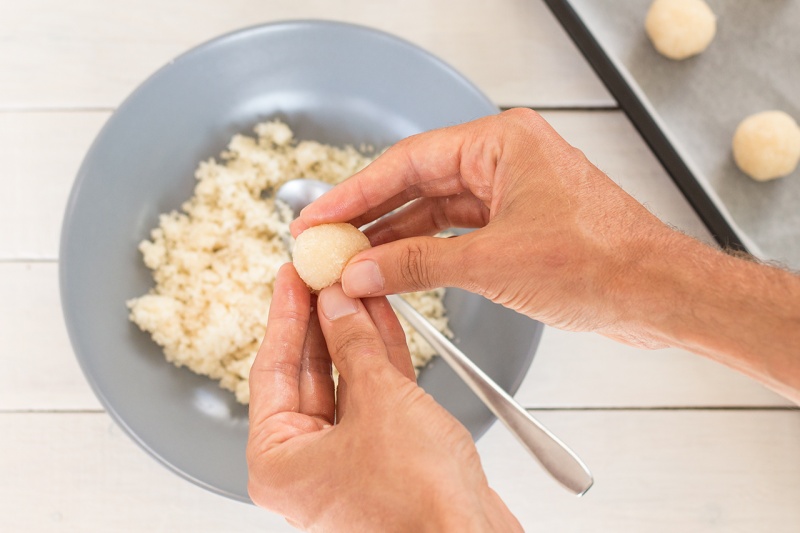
column 663, row 471
column 585, row 369
column 79, row 472
column 41, row 153
column 92, row 53
column 40, row 371
column 659, row 471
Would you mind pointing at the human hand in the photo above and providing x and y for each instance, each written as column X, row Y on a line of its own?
column 384, row 456
column 557, row 236
column 560, row 242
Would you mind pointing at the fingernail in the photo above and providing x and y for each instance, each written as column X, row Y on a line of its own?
column 297, row 227
column 362, row 278
column 335, row 303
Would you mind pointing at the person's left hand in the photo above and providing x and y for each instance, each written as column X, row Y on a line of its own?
column 385, row 456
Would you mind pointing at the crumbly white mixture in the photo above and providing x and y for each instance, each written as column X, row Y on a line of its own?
column 214, row 262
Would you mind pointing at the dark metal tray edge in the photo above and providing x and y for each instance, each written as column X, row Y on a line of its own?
column 647, row 126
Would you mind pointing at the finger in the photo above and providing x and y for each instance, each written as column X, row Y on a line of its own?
column 401, row 199
column 353, row 339
column 408, row 265
column 316, row 382
column 394, row 338
column 396, row 201
column 275, row 374
column 341, row 399
column 429, row 216
column 385, row 319
column 430, row 162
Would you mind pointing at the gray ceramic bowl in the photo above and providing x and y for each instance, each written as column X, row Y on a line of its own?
column 331, row 82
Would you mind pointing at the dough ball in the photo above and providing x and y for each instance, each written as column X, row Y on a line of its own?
column 321, row 252
column 767, row 145
column 680, row 28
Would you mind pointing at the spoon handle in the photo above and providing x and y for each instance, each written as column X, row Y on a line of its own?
column 552, row 454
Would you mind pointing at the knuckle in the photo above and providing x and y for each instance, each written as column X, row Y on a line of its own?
column 522, row 116
column 477, row 275
column 287, row 368
column 316, row 366
column 277, row 371
column 414, row 270
column 290, row 314
column 355, row 342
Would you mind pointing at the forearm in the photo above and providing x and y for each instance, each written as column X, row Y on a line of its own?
column 740, row 313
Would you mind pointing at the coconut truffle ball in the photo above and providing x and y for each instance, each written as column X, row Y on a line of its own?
column 767, row 145
column 680, row 28
column 321, row 252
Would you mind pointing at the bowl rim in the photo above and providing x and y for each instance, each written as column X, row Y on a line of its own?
column 154, row 78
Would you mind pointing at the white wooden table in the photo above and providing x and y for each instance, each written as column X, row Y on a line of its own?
column 677, row 443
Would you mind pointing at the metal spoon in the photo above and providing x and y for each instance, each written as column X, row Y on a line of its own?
column 552, row 454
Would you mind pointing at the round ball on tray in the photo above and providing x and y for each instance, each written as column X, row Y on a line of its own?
column 321, row 253
column 680, row 28
column 767, row 145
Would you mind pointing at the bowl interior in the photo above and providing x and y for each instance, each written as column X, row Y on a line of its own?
column 331, row 82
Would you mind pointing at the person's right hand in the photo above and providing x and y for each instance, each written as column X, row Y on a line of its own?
column 557, row 236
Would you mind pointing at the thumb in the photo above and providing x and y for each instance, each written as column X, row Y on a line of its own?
column 354, row 341
column 406, row 265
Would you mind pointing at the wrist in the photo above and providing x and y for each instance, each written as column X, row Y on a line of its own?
column 688, row 295
column 660, row 277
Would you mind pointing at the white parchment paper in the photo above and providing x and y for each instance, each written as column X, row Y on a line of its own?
column 752, row 65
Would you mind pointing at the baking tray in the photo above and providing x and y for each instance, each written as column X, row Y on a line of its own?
column 687, row 110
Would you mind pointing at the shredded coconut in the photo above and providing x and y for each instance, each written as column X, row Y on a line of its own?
column 214, row 262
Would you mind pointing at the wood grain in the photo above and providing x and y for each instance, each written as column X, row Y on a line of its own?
column 65, row 466
column 585, row 369
column 659, row 471
column 41, row 154
column 79, row 472
column 40, row 370
column 91, row 53
column 663, row 471
column 43, row 151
